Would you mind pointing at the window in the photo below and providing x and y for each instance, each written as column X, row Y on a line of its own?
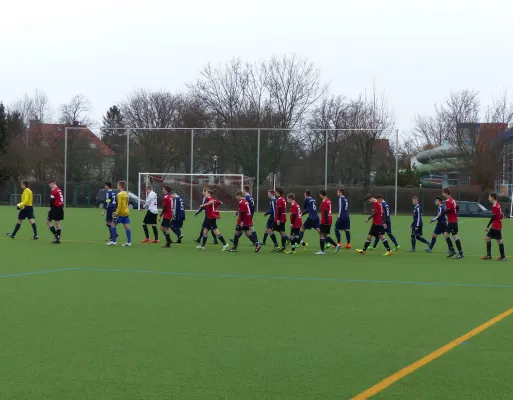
column 472, row 207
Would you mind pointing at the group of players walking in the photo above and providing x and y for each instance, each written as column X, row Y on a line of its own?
column 172, row 217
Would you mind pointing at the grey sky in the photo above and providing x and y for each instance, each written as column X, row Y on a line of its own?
column 415, row 51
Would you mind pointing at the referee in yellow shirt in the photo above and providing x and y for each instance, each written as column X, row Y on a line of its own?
column 26, row 211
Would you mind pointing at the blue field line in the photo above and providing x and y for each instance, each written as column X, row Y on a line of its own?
column 295, row 278
column 47, row 271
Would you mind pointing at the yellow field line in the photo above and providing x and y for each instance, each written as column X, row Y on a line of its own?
column 430, row 357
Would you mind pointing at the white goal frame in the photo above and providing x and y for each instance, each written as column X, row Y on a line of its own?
column 16, row 199
column 191, row 191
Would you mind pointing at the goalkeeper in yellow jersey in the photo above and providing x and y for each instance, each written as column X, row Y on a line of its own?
column 121, row 216
column 26, row 208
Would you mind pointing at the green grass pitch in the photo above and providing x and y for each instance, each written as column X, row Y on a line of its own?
column 149, row 323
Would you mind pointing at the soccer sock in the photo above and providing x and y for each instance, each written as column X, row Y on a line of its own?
column 52, row 229
column 146, row 233
column 293, row 243
column 458, row 245
column 489, row 248
column 214, row 237
column 113, row 234
column 265, row 236
column 128, row 236
column 168, row 237
column 366, row 245
column 413, row 241
column 200, row 235
column 385, row 243
column 393, row 239
column 284, row 241
column 376, row 241
column 449, row 243
column 34, row 228
column 337, row 235
column 155, row 232
column 108, row 227
column 252, row 238
column 178, row 232
column 59, row 230
column 422, row 240
column 273, row 238
column 501, row 249
column 204, row 240
column 300, row 239
column 348, row 237
column 221, row 238
column 236, row 238
column 322, row 242
column 433, row 241
column 254, row 234
column 16, row 229
column 331, row 241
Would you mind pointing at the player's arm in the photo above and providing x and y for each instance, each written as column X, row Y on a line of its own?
column 370, row 216
column 281, row 211
column 293, row 217
column 437, row 216
column 491, row 220
column 241, row 214
column 24, row 200
column 118, row 205
column 305, row 208
column 418, row 216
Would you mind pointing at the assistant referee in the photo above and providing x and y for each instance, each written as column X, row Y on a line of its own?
column 26, row 208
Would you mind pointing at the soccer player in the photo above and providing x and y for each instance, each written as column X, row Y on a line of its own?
column 178, row 216
column 343, row 222
column 280, row 219
column 109, row 208
column 388, row 226
column 416, row 225
column 326, row 221
column 121, row 216
column 377, row 229
column 151, row 207
column 441, row 223
column 296, row 221
column 211, row 207
column 249, row 199
column 270, row 220
column 451, row 210
column 244, row 223
column 312, row 222
column 496, row 231
column 200, row 209
column 166, row 215
column 26, row 211
column 56, row 213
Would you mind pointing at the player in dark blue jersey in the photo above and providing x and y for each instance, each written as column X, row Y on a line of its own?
column 416, row 225
column 441, row 223
column 343, row 222
column 249, row 199
column 270, row 220
column 108, row 210
column 178, row 216
column 312, row 222
column 202, row 209
column 387, row 223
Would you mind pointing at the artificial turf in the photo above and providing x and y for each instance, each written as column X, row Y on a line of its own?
column 152, row 323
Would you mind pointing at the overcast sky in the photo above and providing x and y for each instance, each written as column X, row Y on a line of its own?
column 415, row 51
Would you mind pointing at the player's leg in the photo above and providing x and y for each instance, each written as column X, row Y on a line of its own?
column 34, row 227
column 236, row 236
column 204, row 236
column 457, row 242
column 113, row 233
column 128, row 233
column 385, row 242
column 273, row 235
column 413, row 236
column 266, row 233
column 348, row 238
column 156, row 232
column 488, row 241
column 292, row 240
column 375, row 244
column 449, row 242
column 322, row 243
column 284, row 237
column 217, row 233
column 16, row 229
column 167, row 233
column 433, row 241
column 146, row 233
column 418, row 235
column 501, row 249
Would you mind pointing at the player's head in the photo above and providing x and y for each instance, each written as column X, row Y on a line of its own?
column 205, row 190
column 308, row 193
column 210, row 193
column 446, row 192
column 108, row 186
column 148, row 189
column 271, row 193
column 239, row 195
column 380, row 198
column 174, row 195
column 340, row 192
column 24, row 185
column 415, row 200
column 370, row 198
column 438, row 201
column 166, row 190
column 279, row 191
column 246, row 188
column 121, row 186
column 323, row 193
column 492, row 197
column 291, row 198
column 52, row 183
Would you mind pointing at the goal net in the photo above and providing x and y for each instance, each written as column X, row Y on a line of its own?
column 190, row 187
column 16, row 199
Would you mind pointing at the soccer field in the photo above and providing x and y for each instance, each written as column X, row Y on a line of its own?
column 85, row 321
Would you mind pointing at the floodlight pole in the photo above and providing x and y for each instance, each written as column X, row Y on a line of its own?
column 326, row 163
column 258, row 171
column 396, row 166
column 65, row 164
column 192, row 163
column 128, row 159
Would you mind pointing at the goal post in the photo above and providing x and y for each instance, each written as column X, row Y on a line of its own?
column 190, row 187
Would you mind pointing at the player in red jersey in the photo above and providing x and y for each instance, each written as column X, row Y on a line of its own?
column 451, row 210
column 56, row 212
column 211, row 207
column 296, row 221
column 326, row 222
column 280, row 218
column 166, row 215
column 377, row 229
column 244, row 224
column 496, row 231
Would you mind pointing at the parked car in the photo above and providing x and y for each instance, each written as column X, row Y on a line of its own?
column 102, row 195
column 473, row 209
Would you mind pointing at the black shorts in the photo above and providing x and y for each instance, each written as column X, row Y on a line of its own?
column 177, row 224
column 279, row 228
column 108, row 215
column 26, row 213
column 343, row 225
column 270, row 223
column 452, row 228
column 150, row 218
column 494, row 234
column 417, row 231
column 325, row 229
column 377, row 230
column 311, row 224
column 166, row 223
column 210, row 224
column 294, row 231
column 440, row 229
column 245, row 228
column 56, row 214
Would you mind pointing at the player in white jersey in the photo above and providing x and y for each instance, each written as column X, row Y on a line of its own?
column 151, row 215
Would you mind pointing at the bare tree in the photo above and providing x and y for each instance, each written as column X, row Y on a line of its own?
column 76, row 111
column 33, row 107
column 501, row 110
